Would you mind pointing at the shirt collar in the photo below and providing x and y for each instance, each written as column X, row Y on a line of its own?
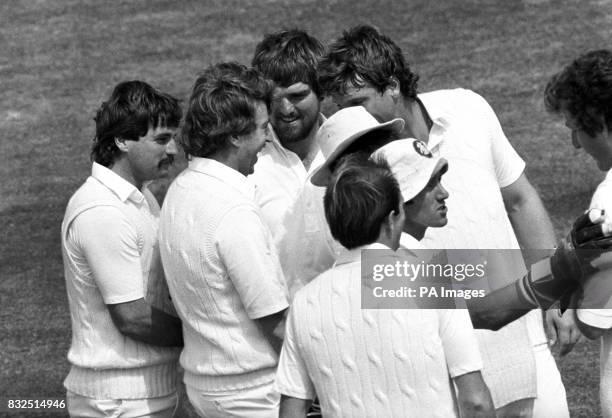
column 354, row 255
column 117, row 184
column 409, row 242
column 223, row 173
column 438, row 117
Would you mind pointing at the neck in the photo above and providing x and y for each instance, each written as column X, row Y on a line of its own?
column 386, row 238
column 416, row 118
column 307, row 148
column 122, row 168
column 227, row 158
column 416, row 230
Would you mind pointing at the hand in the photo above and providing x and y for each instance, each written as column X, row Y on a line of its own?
column 584, row 251
column 562, row 330
column 591, row 231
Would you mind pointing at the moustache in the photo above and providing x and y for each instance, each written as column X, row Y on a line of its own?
column 168, row 161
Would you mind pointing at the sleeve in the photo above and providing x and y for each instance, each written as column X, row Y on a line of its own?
column 599, row 318
column 596, row 302
column 292, row 376
column 110, row 245
column 508, row 164
column 459, row 341
column 246, row 249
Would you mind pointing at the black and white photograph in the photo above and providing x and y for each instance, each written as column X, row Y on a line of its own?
column 306, row 208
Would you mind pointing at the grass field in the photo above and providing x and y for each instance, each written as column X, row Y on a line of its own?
column 60, row 58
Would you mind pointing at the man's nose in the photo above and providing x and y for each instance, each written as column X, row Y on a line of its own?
column 171, row 147
column 286, row 106
column 443, row 193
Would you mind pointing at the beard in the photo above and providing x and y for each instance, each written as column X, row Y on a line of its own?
column 297, row 130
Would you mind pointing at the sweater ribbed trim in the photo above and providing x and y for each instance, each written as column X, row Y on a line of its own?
column 137, row 383
column 225, row 383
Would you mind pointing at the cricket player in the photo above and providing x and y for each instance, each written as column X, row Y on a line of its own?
column 582, row 93
column 376, row 362
column 126, row 337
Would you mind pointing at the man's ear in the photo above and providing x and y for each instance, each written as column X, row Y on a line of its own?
column 235, row 141
column 388, row 224
column 394, row 88
column 121, row 144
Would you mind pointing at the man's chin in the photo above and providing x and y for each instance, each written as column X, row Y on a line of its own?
column 291, row 134
column 604, row 166
column 163, row 173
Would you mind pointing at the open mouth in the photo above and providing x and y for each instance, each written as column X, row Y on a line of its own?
column 288, row 120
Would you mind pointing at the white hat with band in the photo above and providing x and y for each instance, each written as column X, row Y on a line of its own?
column 341, row 130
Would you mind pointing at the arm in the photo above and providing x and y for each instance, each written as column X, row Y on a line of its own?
column 293, row 407
column 246, row 249
column 110, row 245
column 292, row 378
column 549, row 279
column 528, row 216
column 473, row 396
column 138, row 320
column 498, row 308
column 273, row 328
column 464, row 363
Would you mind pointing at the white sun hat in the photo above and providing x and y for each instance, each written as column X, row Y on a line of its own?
column 411, row 163
column 341, row 130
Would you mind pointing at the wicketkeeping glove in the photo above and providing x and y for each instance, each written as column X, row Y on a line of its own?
column 585, row 250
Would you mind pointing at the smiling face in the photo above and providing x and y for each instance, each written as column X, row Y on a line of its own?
column 428, row 208
column 250, row 144
column 599, row 146
column 150, row 157
column 294, row 112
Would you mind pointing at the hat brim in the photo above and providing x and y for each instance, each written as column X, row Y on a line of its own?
column 322, row 175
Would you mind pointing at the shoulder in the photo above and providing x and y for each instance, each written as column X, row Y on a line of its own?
column 93, row 198
column 452, row 99
column 91, row 191
column 312, row 288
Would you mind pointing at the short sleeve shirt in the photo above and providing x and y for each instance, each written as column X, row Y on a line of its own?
column 116, row 246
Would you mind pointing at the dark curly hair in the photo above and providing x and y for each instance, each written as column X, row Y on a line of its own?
column 133, row 108
column 363, row 55
column 584, row 89
column 288, row 57
column 360, row 195
column 222, row 104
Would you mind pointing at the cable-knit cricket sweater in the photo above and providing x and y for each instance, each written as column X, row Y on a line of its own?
column 372, row 363
column 223, row 274
column 111, row 255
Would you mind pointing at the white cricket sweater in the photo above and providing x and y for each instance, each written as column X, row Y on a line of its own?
column 105, row 363
column 372, row 362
